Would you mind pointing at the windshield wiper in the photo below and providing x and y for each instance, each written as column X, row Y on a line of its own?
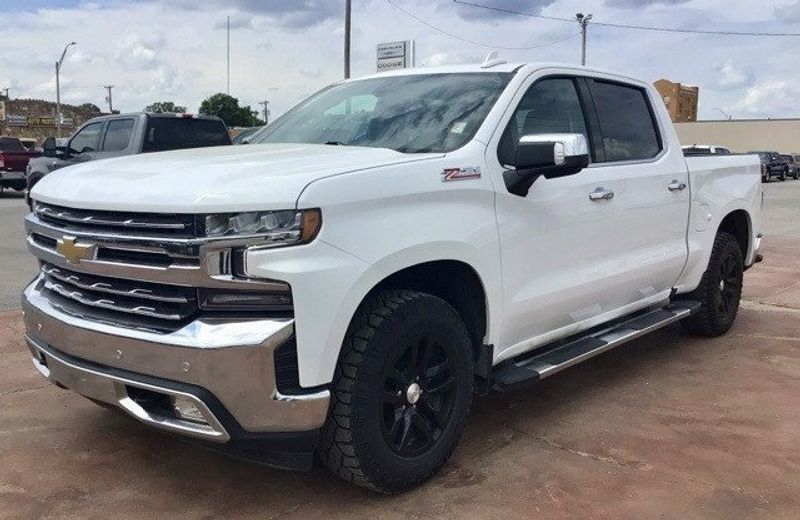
column 335, row 143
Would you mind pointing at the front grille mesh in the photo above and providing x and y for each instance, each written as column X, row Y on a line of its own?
column 115, row 297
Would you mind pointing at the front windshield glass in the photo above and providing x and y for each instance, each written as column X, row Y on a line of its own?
column 411, row 114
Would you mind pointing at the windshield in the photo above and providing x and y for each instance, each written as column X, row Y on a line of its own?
column 410, row 114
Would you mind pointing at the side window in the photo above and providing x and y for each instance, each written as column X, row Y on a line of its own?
column 86, row 138
column 550, row 106
column 626, row 122
column 118, row 135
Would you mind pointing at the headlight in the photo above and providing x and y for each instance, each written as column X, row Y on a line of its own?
column 276, row 228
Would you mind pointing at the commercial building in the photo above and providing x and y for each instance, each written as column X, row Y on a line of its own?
column 743, row 135
column 681, row 100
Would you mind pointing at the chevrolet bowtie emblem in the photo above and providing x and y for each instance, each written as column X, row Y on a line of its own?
column 73, row 251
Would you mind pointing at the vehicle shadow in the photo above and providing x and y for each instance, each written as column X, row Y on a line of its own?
column 168, row 468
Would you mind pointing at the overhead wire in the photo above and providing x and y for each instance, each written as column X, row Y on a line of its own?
column 467, row 40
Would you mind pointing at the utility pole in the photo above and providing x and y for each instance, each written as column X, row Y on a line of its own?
column 108, row 98
column 59, row 63
column 266, row 110
column 229, row 55
column 347, row 10
column 584, row 23
column 7, row 95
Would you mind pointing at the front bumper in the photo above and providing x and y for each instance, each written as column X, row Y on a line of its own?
column 225, row 368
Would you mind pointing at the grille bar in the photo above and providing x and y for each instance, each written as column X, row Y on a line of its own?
column 161, row 293
column 108, row 304
column 153, row 223
column 163, row 302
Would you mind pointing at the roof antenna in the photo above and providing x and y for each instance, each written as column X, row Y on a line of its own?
column 492, row 60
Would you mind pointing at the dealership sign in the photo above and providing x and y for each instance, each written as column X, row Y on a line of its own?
column 395, row 55
column 29, row 121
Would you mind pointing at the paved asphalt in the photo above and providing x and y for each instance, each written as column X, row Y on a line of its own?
column 669, row 426
column 17, row 267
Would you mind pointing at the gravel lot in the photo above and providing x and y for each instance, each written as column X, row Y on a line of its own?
column 667, row 427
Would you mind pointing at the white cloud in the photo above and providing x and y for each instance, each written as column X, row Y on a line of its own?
column 730, row 75
column 778, row 97
column 282, row 50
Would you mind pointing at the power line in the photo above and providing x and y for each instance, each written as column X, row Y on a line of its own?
column 626, row 26
column 457, row 37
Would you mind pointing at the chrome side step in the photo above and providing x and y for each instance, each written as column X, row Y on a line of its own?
column 530, row 368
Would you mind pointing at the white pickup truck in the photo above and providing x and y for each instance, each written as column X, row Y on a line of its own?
column 383, row 251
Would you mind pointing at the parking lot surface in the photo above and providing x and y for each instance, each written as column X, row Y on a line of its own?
column 669, row 426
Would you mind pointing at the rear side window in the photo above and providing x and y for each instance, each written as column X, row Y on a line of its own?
column 174, row 133
column 118, row 135
column 626, row 121
column 11, row 144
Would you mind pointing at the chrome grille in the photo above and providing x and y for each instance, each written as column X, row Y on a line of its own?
column 167, row 303
column 156, row 225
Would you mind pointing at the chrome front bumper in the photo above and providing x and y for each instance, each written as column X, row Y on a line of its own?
column 226, row 368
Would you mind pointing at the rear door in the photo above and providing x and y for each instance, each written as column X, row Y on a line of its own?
column 117, row 138
column 651, row 191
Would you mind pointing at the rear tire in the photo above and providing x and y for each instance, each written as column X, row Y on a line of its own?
column 719, row 291
column 400, row 394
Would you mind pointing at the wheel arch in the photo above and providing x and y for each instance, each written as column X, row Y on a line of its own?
column 455, row 282
column 739, row 224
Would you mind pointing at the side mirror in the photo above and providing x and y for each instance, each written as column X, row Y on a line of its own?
column 49, row 148
column 548, row 156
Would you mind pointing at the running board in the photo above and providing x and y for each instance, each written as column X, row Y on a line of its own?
column 530, row 368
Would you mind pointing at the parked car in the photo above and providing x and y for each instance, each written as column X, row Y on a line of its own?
column 347, row 283
column 128, row 134
column 793, row 168
column 29, row 143
column 772, row 166
column 14, row 159
column 244, row 135
column 705, row 149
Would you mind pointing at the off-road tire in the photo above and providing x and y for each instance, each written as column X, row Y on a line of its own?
column 721, row 283
column 354, row 443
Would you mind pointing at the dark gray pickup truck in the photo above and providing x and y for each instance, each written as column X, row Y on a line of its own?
column 127, row 134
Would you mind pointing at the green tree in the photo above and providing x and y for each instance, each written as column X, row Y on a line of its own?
column 227, row 108
column 90, row 107
column 165, row 107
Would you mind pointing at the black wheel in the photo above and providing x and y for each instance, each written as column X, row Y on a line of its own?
column 783, row 175
column 401, row 392
column 797, row 174
column 720, row 289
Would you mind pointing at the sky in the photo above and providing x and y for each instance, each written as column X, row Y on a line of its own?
column 284, row 50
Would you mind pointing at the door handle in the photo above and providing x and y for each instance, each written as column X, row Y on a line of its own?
column 676, row 185
column 600, row 193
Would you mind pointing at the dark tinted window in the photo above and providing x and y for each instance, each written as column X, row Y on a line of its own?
column 118, row 135
column 626, row 122
column 551, row 106
column 174, row 133
column 86, row 138
column 11, row 144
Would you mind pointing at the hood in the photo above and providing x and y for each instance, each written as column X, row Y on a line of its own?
column 207, row 180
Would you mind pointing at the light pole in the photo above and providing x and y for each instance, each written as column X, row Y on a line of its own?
column 583, row 20
column 727, row 115
column 347, row 15
column 58, row 88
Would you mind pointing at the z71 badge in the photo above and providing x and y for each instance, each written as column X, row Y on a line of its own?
column 461, row 174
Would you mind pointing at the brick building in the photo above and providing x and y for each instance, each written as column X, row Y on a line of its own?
column 681, row 100
column 36, row 118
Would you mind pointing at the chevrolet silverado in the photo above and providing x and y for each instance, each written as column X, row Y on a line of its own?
column 379, row 254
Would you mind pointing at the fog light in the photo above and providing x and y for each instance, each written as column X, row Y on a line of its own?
column 186, row 409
